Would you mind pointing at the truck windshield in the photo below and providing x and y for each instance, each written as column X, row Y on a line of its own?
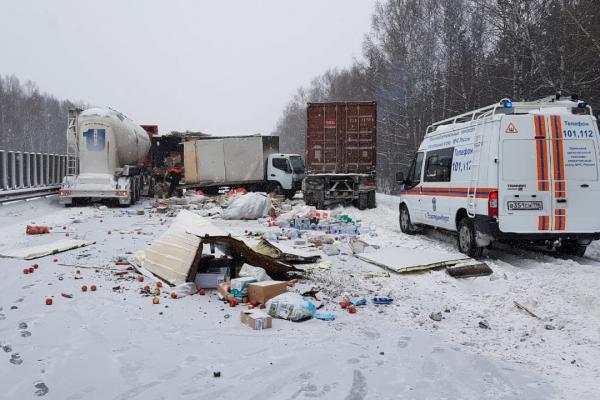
column 297, row 164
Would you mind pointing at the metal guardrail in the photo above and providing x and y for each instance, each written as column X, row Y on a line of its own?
column 22, row 194
column 28, row 173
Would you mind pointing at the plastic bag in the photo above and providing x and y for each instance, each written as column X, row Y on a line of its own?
column 248, row 206
column 185, row 289
column 325, row 316
column 290, row 306
column 255, row 272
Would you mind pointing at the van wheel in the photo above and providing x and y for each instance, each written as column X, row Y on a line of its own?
column 466, row 239
column 572, row 250
column 405, row 225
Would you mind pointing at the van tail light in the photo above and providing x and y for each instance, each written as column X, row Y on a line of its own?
column 493, row 204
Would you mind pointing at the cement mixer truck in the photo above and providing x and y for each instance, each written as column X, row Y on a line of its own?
column 106, row 151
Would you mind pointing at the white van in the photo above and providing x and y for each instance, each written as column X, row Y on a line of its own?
column 522, row 171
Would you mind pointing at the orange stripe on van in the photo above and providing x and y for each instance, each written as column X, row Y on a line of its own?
column 541, row 153
column 560, row 189
column 560, row 219
column 558, row 156
column 482, row 193
column 543, row 223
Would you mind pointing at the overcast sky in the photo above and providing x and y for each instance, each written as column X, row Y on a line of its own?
column 222, row 67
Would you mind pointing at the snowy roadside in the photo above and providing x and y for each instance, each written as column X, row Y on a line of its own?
column 116, row 344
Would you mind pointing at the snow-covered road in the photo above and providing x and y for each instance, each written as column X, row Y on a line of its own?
column 115, row 344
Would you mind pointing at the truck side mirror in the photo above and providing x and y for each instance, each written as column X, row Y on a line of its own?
column 400, row 177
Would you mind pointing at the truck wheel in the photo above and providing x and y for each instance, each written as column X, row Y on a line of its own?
column 362, row 201
column 371, row 200
column 406, row 225
column 467, row 244
column 276, row 188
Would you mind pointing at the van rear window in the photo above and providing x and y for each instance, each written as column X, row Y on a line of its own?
column 519, row 161
column 438, row 165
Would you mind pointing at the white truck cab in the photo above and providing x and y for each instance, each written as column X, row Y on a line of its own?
column 522, row 171
column 285, row 172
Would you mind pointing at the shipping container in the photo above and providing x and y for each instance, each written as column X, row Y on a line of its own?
column 341, row 150
column 341, row 137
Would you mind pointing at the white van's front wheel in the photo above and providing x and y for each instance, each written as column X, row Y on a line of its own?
column 467, row 244
column 405, row 225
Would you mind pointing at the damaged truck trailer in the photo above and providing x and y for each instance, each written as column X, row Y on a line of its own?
column 253, row 162
column 341, row 148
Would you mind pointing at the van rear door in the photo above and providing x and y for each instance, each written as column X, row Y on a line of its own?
column 574, row 170
column 548, row 175
column 524, row 181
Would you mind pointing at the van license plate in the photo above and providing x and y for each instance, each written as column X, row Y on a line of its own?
column 525, row 205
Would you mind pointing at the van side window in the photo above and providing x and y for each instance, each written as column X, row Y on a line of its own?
column 438, row 166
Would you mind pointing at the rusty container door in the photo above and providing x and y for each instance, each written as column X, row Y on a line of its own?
column 341, row 137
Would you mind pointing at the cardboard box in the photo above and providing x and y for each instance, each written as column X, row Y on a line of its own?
column 239, row 286
column 262, row 292
column 256, row 319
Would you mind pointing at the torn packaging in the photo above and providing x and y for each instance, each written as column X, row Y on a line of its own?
column 266, row 248
column 239, row 286
column 224, row 291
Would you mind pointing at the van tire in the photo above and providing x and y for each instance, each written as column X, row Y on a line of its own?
column 406, row 225
column 467, row 244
